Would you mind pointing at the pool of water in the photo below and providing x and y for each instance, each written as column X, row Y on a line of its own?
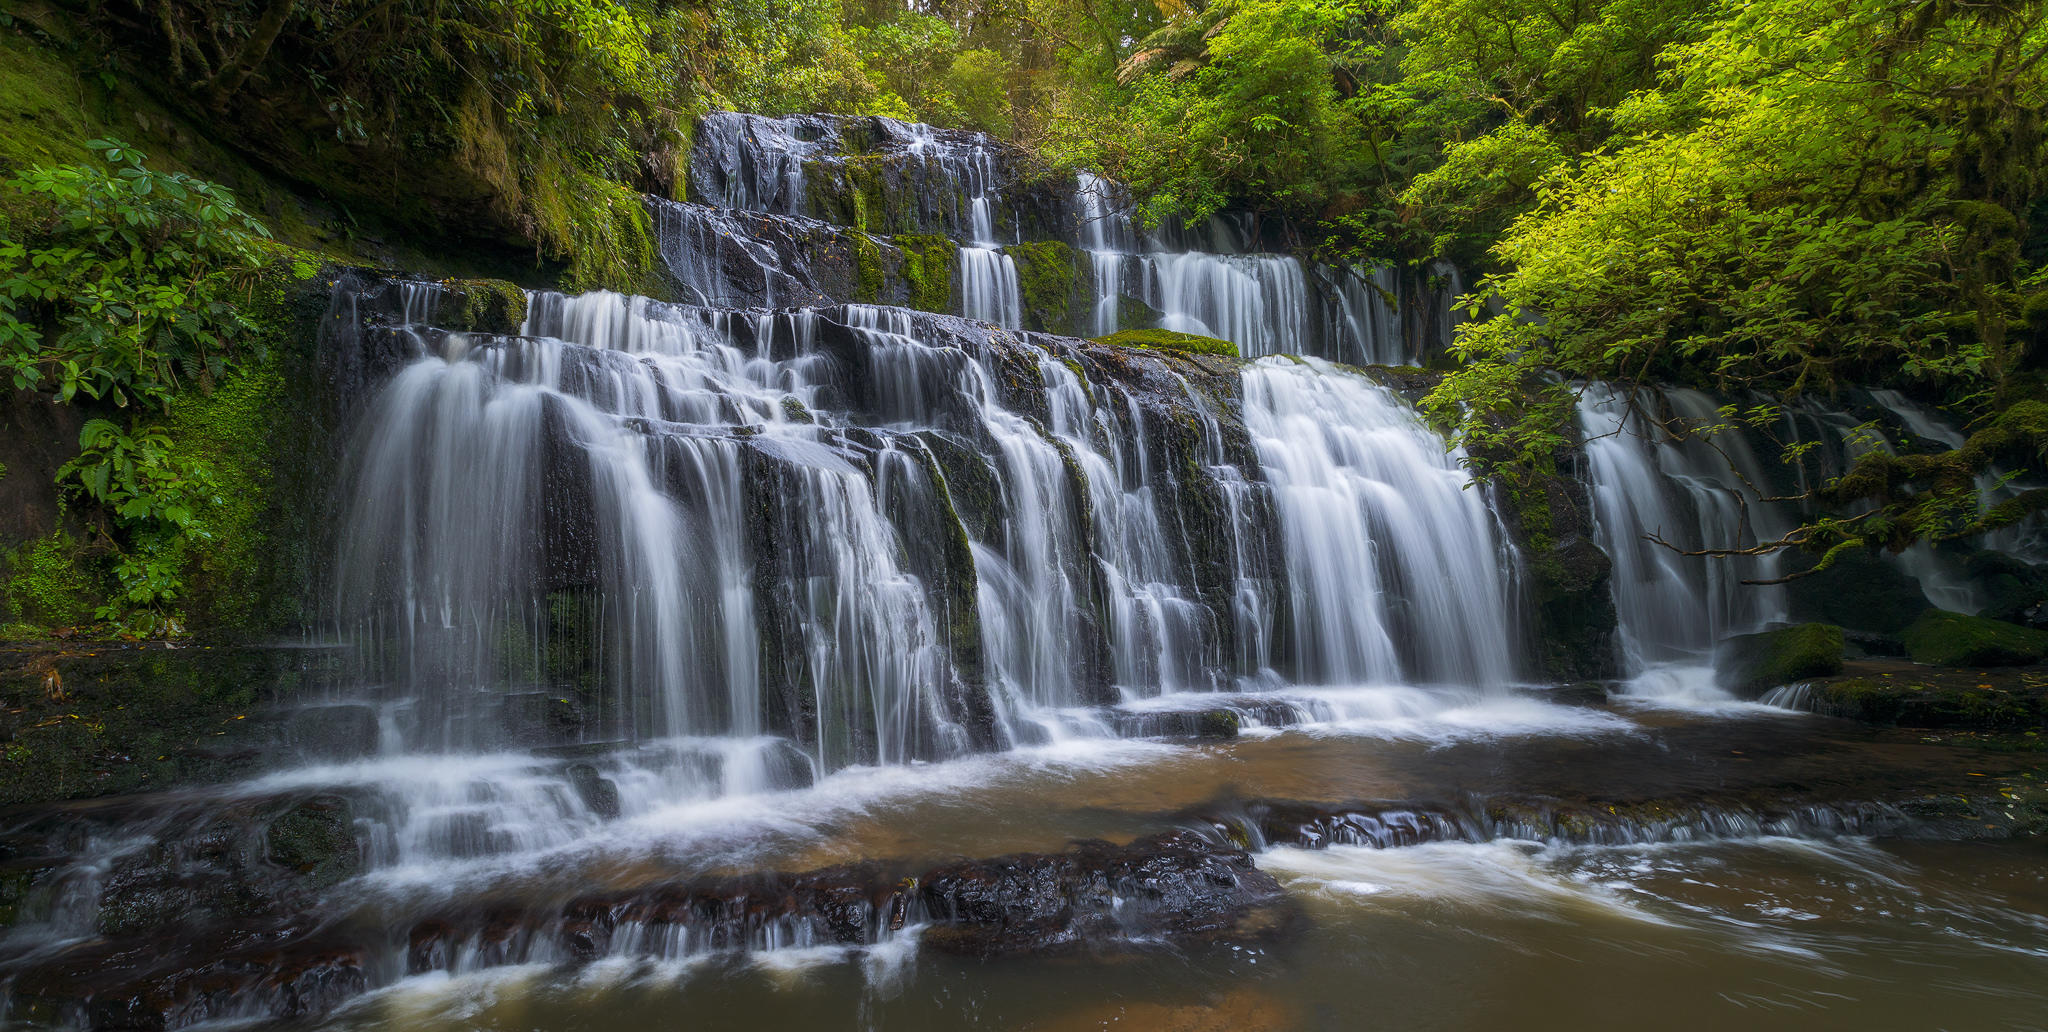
column 1943, row 924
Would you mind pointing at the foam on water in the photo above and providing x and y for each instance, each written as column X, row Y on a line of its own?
column 1500, row 876
column 1689, row 687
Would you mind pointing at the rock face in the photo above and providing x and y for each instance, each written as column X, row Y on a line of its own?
column 1179, row 887
column 106, row 718
column 258, row 959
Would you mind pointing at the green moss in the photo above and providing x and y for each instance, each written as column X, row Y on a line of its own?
column 1168, row 340
column 51, row 582
column 46, row 121
column 1217, row 723
column 1889, row 701
column 482, row 306
column 599, row 227
column 1045, row 279
column 1753, row 663
column 928, row 267
column 229, row 432
column 1941, row 638
column 867, row 268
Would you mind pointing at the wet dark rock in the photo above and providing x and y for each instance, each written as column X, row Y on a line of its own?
column 1577, row 693
column 1860, row 592
column 1620, row 821
column 1179, row 887
column 343, row 731
column 317, row 840
column 1570, row 620
column 1224, row 717
column 1176, row 886
column 598, row 792
column 143, row 717
column 2013, row 589
column 103, row 987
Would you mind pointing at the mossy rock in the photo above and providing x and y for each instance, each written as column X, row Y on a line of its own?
column 482, row 306
column 1217, row 723
column 1754, row 663
column 928, row 261
column 1977, row 707
column 1942, row 638
column 1168, row 340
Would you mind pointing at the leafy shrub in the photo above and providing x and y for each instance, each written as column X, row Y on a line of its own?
column 121, row 297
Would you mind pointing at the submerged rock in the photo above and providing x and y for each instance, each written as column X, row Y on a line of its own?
column 1176, row 886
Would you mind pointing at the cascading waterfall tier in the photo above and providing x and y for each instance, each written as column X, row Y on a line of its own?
column 1669, row 475
column 816, row 209
column 1651, row 477
column 875, row 534
column 1396, row 566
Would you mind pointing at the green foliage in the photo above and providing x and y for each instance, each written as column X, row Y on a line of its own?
column 1258, row 117
column 153, row 498
column 1168, row 340
column 1815, row 194
column 126, row 286
column 124, row 296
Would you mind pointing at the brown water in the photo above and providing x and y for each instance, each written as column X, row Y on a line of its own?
column 1751, row 931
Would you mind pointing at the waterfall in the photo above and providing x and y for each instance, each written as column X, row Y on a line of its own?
column 1396, row 565
column 989, row 289
column 1258, row 302
column 1647, row 480
column 1106, row 236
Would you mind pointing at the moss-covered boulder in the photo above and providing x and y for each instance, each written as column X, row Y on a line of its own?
column 1930, row 703
column 1754, row 663
column 315, row 840
column 1168, row 340
column 1942, row 638
column 482, row 306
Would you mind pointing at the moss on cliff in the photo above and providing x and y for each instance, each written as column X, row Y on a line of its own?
column 1168, row 340
column 599, row 228
column 482, row 306
column 928, row 268
column 1045, row 280
column 50, row 582
column 867, row 268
